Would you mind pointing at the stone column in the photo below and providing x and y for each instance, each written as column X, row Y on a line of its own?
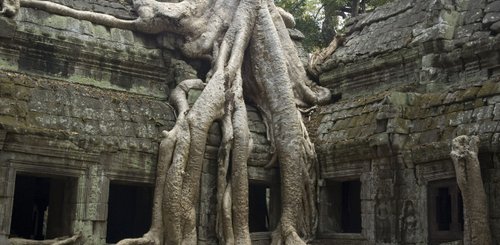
column 92, row 206
column 385, row 211
column 7, row 182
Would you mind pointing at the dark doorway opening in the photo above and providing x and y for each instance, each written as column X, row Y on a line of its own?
column 43, row 207
column 129, row 211
column 351, row 207
column 446, row 219
column 341, row 207
column 258, row 207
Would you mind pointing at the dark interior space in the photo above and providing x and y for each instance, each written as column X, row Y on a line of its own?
column 351, row 207
column 443, row 209
column 342, row 207
column 129, row 211
column 34, row 199
column 258, row 208
column 446, row 219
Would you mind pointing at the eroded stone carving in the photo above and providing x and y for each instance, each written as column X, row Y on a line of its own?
column 9, row 7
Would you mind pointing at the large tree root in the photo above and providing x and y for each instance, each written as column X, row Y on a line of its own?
column 55, row 241
column 468, row 171
column 253, row 61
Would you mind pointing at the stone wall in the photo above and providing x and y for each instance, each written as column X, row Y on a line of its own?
column 82, row 101
column 88, row 103
column 415, row 46
column 55, row 128
column 411, row 75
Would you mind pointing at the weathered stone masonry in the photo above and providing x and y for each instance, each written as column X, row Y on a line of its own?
column 411, row 76
column 81, row 102
column 83, row 105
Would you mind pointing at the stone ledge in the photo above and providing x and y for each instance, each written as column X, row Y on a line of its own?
column 407, row 124
column 82, row 52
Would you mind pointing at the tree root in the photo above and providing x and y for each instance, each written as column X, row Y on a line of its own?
column 55, row 241
column 468, row 172
column 319, row 57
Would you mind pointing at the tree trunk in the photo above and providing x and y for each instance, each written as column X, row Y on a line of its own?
column 468, row 171
column 55, row 241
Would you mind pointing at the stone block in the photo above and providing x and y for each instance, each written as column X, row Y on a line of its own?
column 492, row 7
column 3, row 134
column 99, row 230
column 491, row 17
column 398, row 142
column 97, row 211
column 473, row 16
column 80, row 211
column 480, row 35
column 487, row 126
column 398, row 125
column 483, row 113
column 493, row 100
column 430, row 136
column 7, row 27
column 6, row 206
column 455, row 119
column 489, row 88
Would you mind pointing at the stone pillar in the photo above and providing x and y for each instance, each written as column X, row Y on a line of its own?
column 7, row 183
column 385, row 212
column 367, row 207
column 92, row 206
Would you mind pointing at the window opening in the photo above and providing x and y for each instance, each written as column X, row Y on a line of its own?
column 129, row 211
column 445, row 210
column 258, row 207
column 43, row 207
column 341, row 207
column 351, row 207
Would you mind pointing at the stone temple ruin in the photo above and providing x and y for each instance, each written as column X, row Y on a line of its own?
column 82, row 107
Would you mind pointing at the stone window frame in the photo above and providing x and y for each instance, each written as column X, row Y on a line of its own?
column 123, row 178
column 123, row 182
column 39, row 170
column 455, row 233
column 269, row 177
column 427, row 173
column 352, row 176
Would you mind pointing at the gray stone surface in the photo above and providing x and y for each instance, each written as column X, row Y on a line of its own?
column 414, row 45
column 402, row 101
column 88, row 102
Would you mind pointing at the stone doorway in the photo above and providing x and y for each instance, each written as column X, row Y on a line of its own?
column 446, row 214
column 258, row 208
column 43, row 206
column 129, row 211
column 340, row 207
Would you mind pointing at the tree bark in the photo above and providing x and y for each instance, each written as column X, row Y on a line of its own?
column 468, row 171
column 55, row 241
